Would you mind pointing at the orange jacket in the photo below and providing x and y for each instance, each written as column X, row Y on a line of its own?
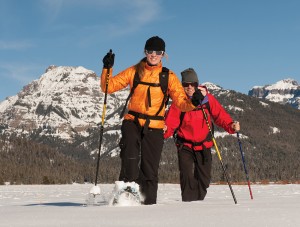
column 138, row 101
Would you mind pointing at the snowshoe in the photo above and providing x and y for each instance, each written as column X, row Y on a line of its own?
column 126, row 194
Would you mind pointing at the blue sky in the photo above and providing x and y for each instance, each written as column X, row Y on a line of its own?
column 236, row 44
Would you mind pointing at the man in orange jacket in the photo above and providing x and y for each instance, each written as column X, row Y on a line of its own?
column 193, row 138
column 142, row 128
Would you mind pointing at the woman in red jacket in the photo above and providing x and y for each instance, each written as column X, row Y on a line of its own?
column 193, row 139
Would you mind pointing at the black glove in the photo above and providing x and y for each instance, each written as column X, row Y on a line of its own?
column 197, row 97
column 108, row 60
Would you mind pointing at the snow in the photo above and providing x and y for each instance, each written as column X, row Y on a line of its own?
column 7, row 102
column 235, row 108
column 274, row 130
column 115, row 152
column 281, row 91
column 264, row 104
column 285, row 84
column 220, row 134
column 63, row 205
column 211, row 86
column 223, row 134
column 95, row 190
column 257, row 87
column 279, row 97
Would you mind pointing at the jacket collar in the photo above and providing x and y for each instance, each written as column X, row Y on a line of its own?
column 154, row 67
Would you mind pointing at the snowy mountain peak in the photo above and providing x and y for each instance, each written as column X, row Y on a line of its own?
column 63, row 102
column 286, row 91
column 62, row 79
column 286, row 84
column 211, row 86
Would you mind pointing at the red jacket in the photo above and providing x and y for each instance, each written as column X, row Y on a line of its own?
column 193, row 127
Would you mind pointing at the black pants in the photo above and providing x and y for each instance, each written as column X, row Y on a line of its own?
column 140, row 156
column 195, row 173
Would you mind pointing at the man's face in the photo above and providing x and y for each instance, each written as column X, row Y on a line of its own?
column 189, row 88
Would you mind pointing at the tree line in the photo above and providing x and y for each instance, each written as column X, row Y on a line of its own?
column 27, row 162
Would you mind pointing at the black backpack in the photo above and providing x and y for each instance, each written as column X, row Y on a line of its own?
column 163, row 84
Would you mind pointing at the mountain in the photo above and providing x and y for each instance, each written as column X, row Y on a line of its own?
column 285, row 91
column 63, row 108
column 63, row 103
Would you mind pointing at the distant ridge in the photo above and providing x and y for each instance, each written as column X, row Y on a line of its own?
column 285, row 91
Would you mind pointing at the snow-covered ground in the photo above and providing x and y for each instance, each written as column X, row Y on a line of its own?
column 64, row 205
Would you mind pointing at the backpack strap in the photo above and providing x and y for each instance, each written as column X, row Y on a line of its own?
column 207, row 106
column 136, row 81
column 148, row 90
column 164, row 79
column 163, row 83
column 181, row 140
column 175, row 131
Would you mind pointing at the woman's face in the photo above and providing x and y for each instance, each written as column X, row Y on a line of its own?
column 154, row 57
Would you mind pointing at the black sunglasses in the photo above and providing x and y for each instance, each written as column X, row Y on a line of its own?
column 193, row 84
column 157, row 52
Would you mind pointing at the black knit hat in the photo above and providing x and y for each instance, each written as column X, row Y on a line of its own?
column 189, row 76
column 155, row 43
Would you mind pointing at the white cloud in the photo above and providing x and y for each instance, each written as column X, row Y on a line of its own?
column 138, row 13
column 131, row 15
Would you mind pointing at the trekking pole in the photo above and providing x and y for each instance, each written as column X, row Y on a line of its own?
column 102, row 122
column 218, row 152
column 244, row 163
column 95, row 190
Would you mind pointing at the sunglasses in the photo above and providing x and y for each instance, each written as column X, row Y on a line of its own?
column 193, row 84
column 157, row 52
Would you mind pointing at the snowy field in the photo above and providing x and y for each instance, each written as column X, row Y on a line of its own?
column 64, row 205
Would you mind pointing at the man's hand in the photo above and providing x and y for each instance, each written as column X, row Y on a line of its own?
column 197, row 97
column 235, row 126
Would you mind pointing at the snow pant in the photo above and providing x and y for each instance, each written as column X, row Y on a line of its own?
column 195, row 172
column 140, row 156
